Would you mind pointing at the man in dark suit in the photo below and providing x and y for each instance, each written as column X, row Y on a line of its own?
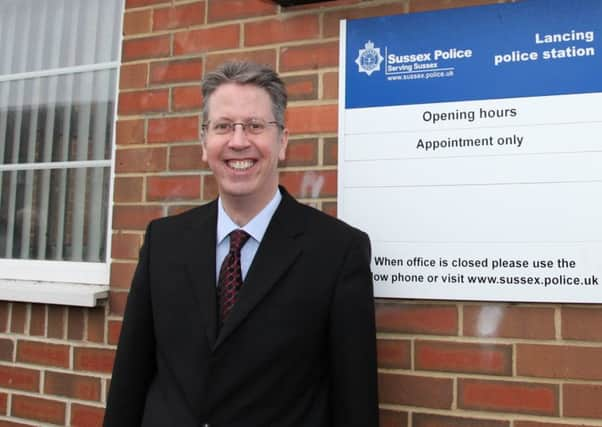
column 278, row 333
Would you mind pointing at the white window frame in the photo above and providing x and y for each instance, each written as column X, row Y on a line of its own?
column 64, row 282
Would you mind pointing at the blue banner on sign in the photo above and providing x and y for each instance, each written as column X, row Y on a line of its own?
column 532, row 48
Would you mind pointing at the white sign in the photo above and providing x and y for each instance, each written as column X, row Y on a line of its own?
column 473, row 157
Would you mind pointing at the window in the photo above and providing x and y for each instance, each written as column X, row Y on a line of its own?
column 59, row 62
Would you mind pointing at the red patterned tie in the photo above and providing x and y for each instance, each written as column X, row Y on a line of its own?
column 230, row 275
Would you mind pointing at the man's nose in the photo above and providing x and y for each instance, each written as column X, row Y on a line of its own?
column 238, row 138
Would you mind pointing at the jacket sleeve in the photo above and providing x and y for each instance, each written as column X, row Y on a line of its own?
column 135, row 364
column 354, row 396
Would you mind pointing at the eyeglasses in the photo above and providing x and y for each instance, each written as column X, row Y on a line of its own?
column 252, row 126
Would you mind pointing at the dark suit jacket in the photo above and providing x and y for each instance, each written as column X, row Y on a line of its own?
column 298, row 348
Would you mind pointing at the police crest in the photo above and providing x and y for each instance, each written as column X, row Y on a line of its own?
column 369, row 58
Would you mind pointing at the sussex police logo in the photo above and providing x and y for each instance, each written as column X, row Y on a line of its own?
column 369, row 59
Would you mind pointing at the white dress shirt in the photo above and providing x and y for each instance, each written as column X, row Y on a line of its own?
column 256, row 228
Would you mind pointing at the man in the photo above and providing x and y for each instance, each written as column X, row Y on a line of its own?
column 294, row 345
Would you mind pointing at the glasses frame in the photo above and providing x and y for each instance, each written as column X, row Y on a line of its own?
column 245, row 126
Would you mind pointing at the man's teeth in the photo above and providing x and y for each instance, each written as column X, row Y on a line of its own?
column 240, row 164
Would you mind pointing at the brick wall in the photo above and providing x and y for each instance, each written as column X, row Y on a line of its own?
column 440, row 363
column 55, row 364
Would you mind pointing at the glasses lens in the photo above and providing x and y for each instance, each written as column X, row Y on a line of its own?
column 255, row 126
column 221, row 127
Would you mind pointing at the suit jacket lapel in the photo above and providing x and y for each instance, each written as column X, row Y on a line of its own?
column 199, row 243
column 278, row 250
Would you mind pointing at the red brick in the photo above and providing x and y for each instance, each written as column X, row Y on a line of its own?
column 94, row 359
column 301, row 152
column 330, row 85
column 394, row 354
column 173, row 129
column 128, row 189
column 114, row 331
column 544, row 424
column 263, row 56
column 481, row 358
column 414, row 390
column 130, row 132
column 147, row 101
column 117, row 302
column 178, row 209
column 139, row 3
column 432, row 420
column 133, row 76
column 5, row 423
column 185, row 157
column 330, row 208
column 279, row 30
column 310, row 184
column 221, row 10
column 125, row 245
column 135, row 217
column 505, row 321
column 75, row 323
column 4, row 309
column 56, row 321
column 96, row 324
column 18, row 316
column 3, row 403
column 210, row 189
column 582, row 400
column 506, row 396
column 137, row 22
column 179, row 16
column 186, row 98
column 86, row 416
column 332, row 19
column 331, row 151
column 424, row 5
column 141, row 160
column 41, row 353
column 312, row 119
column 34, row 408
column 70, row 385
column 309, row 57
column 19, row 378
column 6, row 349
column 207, row 39
column 393, row 418
column 173, row 187
column 146, row 47
column 559, row 361
column 37, row 320
column 416, row 318
column 582, row 323
column 121, row 274
column 301, row 88
column 176, row 71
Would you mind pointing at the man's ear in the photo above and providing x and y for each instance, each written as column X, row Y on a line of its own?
column 203, row 151
column 283, row 144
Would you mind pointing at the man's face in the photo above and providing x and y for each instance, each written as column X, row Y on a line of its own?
column 244, row 165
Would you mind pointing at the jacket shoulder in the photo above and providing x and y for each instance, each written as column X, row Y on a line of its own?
column 323, row 223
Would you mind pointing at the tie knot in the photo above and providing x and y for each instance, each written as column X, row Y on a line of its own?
column 237, row 239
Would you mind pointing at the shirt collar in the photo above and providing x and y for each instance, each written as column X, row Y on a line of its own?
column 256, row 227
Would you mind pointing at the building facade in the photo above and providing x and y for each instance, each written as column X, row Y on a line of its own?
column 438, row 366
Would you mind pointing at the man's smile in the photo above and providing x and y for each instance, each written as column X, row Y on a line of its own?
column 240, row 164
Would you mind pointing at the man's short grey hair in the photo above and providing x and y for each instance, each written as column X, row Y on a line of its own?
column 246, row 73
